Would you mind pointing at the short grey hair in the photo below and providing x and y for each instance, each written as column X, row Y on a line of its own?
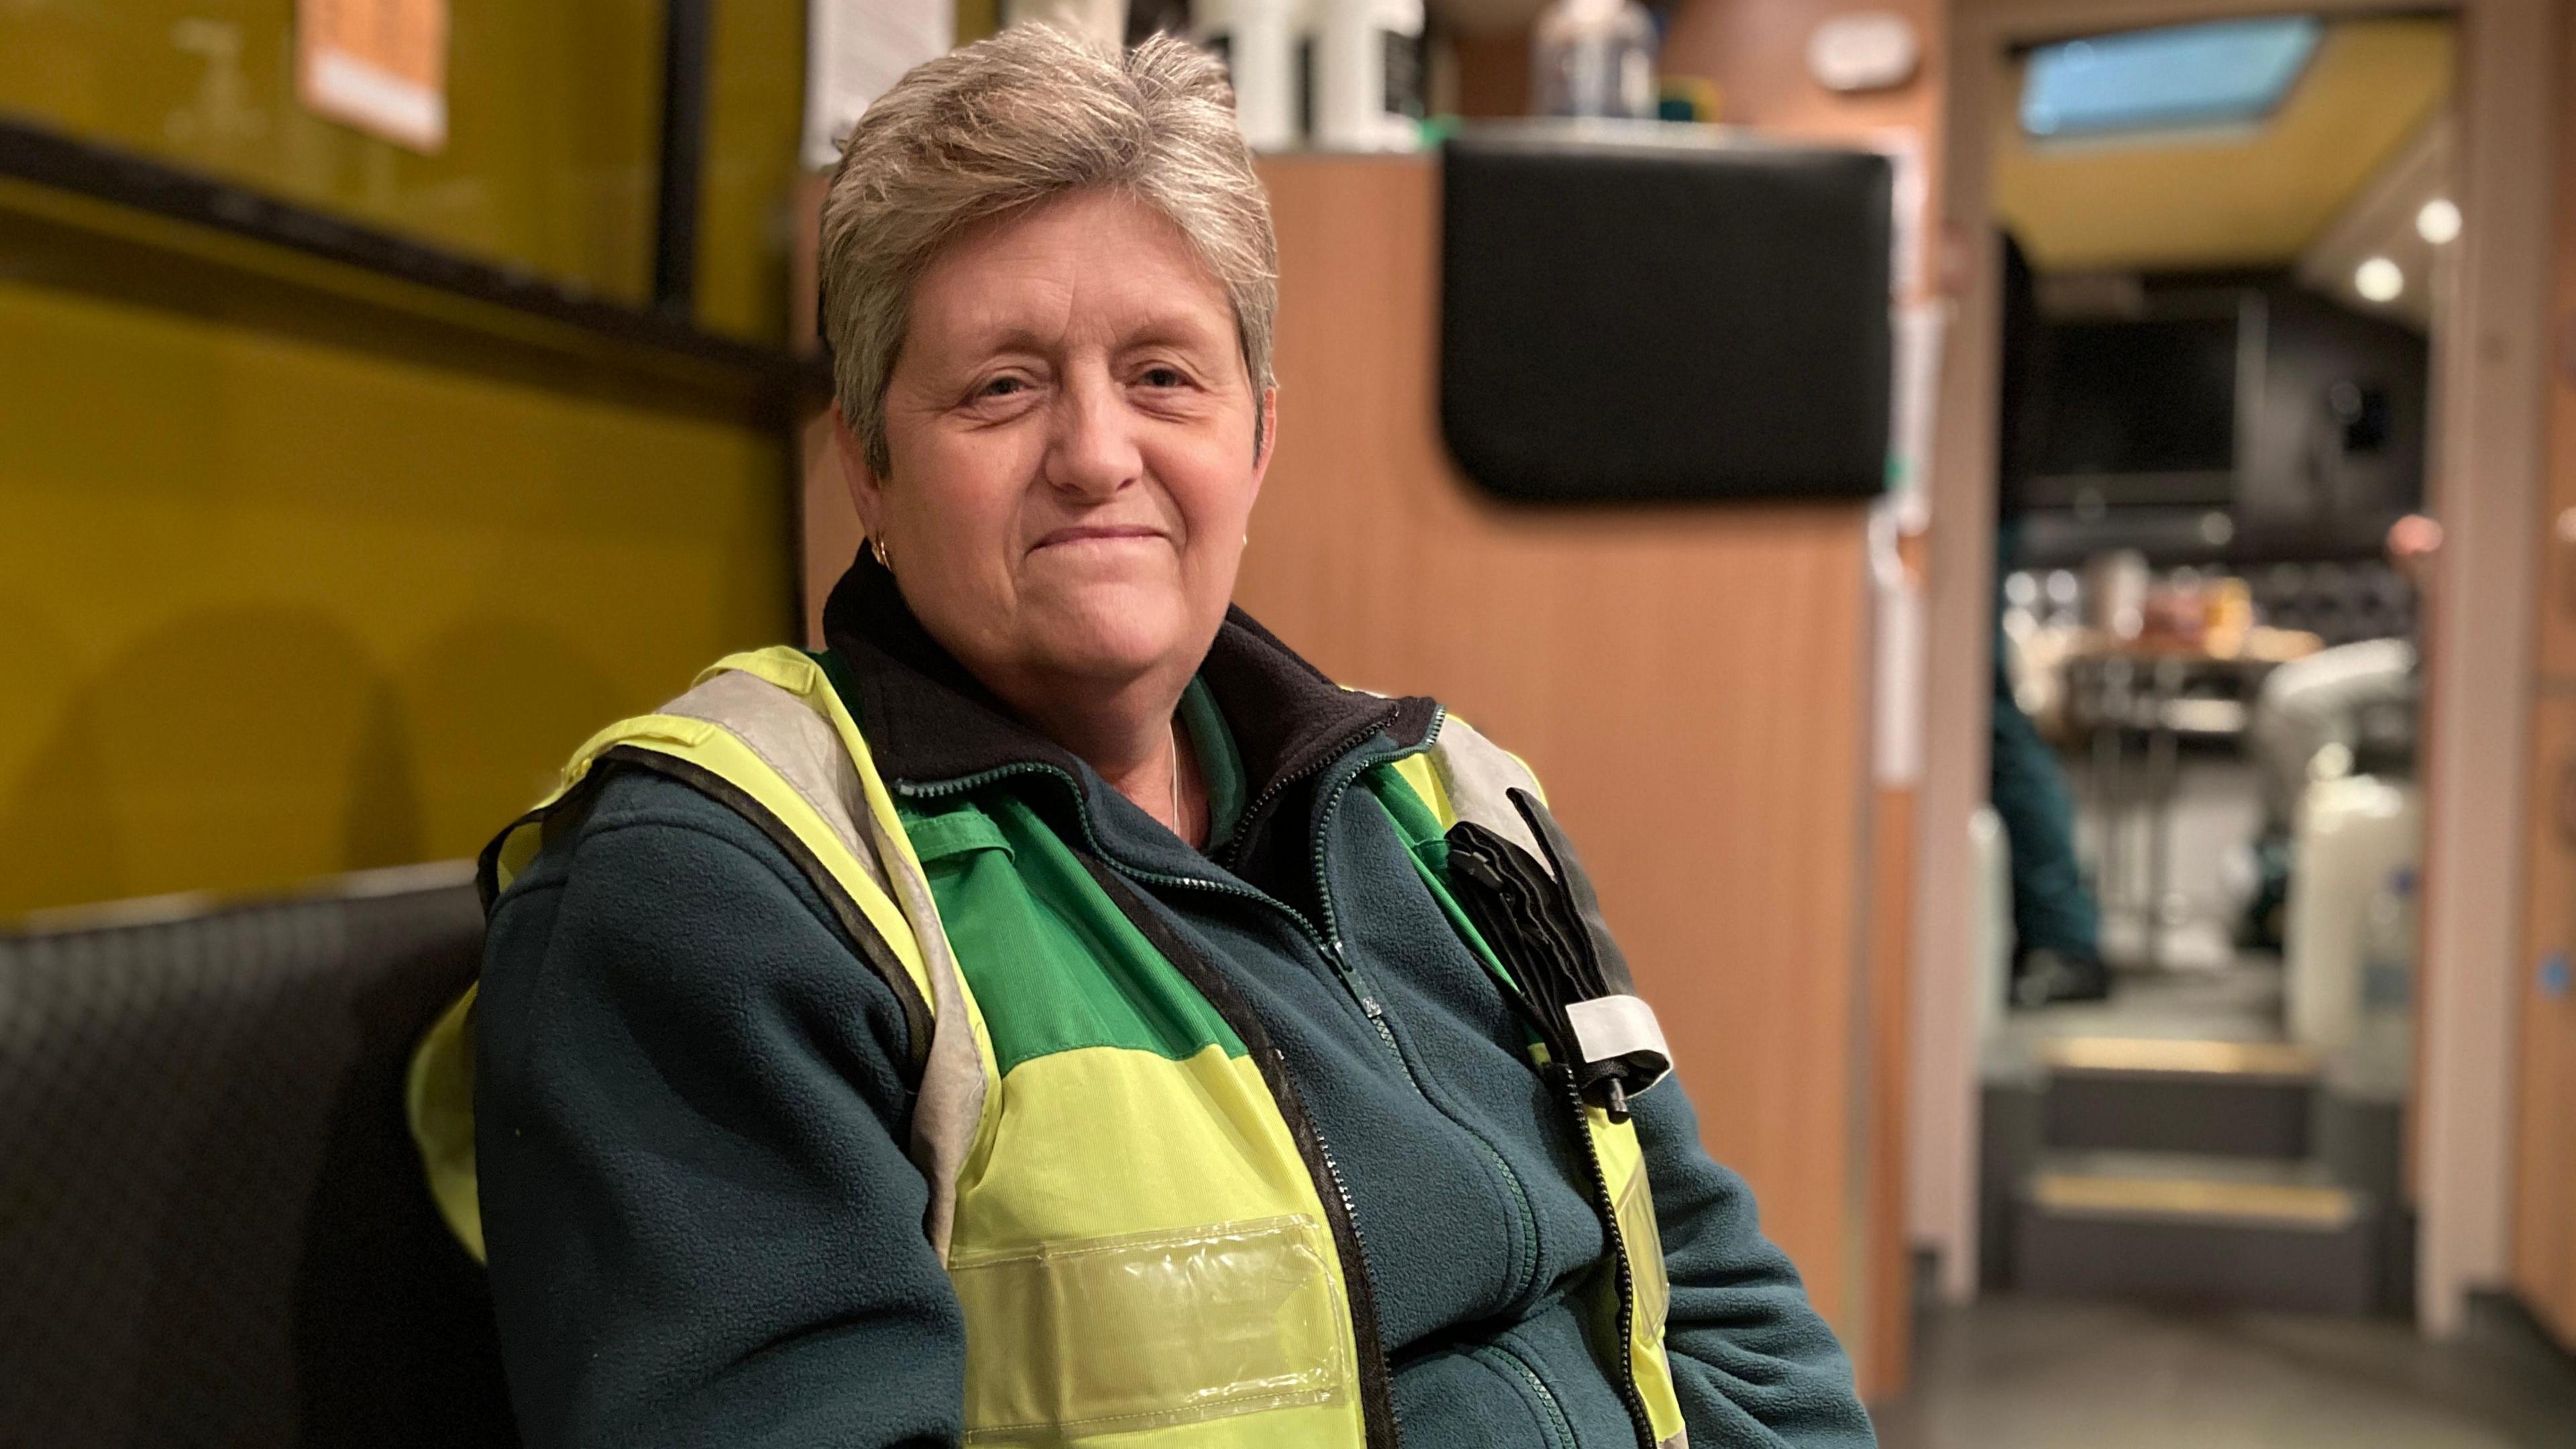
column 1007, row 124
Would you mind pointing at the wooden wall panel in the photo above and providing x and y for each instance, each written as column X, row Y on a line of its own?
column 1888, row 1331
column 2544, row 1236
column 2544, row 1248
column 828, row 534
column 1690, row 682
column 1754, row 52
column 2544, row 1146
column 2557, row 533
column 2557, row 622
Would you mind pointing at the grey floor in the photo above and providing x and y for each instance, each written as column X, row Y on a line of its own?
column 2241, row 1001
column 2012, row 1373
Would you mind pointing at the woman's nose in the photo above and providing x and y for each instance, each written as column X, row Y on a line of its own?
column 1093, row 448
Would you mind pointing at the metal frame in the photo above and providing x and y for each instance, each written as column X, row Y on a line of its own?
column 57, row 162
column 685, row 44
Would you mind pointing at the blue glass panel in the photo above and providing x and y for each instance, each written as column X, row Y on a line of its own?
column 2178, row 76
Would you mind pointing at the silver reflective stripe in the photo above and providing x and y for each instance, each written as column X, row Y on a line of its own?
column 1607, row 1028
column 1479, row 774
column 806, row 751
column 950, row 1104
column 1680, row 1440
column 800, row 745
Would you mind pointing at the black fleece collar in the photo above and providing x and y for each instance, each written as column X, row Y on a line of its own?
column 927, row 720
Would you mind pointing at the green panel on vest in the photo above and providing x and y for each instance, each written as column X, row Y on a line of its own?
column 1052, row 962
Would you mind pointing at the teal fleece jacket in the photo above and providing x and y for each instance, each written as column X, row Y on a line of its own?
column 692, row 1102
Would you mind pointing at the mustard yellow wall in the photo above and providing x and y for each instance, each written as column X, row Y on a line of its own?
column 756, row 116
column 280, row 597
column 271, row 609
column 554, row 123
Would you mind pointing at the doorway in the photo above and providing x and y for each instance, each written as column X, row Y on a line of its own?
column 2190, row 544
column 2210, row 463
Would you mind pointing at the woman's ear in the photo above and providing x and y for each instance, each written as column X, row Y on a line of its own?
column 867, row 490
column 1269, row 438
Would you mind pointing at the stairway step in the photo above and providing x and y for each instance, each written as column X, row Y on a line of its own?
column 2239, row 1099
column 2195, row 1228
column 2198, row 1057
column 2187, row 1186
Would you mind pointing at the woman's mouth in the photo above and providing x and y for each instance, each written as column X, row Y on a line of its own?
column 1097, row 533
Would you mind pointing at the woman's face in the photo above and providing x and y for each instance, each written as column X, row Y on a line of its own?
column 1070, row 430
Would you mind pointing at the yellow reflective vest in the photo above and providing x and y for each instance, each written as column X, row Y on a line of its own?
column 1149, row 1252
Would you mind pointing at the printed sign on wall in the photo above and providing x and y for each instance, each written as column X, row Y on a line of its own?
column 855, row 50
column 378, row 65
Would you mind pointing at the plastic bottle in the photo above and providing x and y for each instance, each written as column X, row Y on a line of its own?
column 1593, row 58
column 1258, row 41
column 1102, row 22
column 1368, row 75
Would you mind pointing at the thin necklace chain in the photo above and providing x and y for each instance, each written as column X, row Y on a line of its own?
column 1180, row 825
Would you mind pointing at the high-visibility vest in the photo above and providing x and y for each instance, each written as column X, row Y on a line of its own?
column 1160, row 1250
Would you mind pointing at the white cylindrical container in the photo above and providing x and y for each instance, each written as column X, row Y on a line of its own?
column 2354, row 834
column 1593, row 58
column 1990, row 851
column 1102, row 22
column 1257, row 40
column 1367, row 73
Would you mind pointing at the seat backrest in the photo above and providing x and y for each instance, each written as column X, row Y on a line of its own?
column 212, row 1223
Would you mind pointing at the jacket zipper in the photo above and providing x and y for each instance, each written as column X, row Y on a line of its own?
column 1623, row 1374
column 1377, row 1398
column 1326, row 939
column 1369, row 1004
column 1332, row 925
column 1327, row 935
column 1377, row 1401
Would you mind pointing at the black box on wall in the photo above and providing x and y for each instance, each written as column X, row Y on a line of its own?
column 1661, row 316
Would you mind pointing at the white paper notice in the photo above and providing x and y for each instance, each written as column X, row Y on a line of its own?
column 378, row 65
column 1911, row 431
column 1897, row 700
column 854, row 50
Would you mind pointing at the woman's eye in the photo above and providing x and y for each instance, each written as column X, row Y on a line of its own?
column 1002, row 387
column 1165, row 377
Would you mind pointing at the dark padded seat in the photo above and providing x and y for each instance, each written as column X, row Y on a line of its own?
column 213, row 1229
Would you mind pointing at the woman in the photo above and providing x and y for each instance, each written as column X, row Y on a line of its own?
column 1057, row 1013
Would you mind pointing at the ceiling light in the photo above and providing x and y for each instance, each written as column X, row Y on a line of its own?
column 2378, row 280
column 2438, row 221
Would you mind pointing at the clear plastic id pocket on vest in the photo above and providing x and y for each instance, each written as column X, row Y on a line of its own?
column 1151, row 1330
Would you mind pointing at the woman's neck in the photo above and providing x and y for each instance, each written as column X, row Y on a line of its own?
column 1134, row 743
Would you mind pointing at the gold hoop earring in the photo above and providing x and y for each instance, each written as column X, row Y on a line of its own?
column 877, row 545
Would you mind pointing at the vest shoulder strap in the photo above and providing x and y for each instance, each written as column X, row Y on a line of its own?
column 1465, row 776
column 766, row 734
